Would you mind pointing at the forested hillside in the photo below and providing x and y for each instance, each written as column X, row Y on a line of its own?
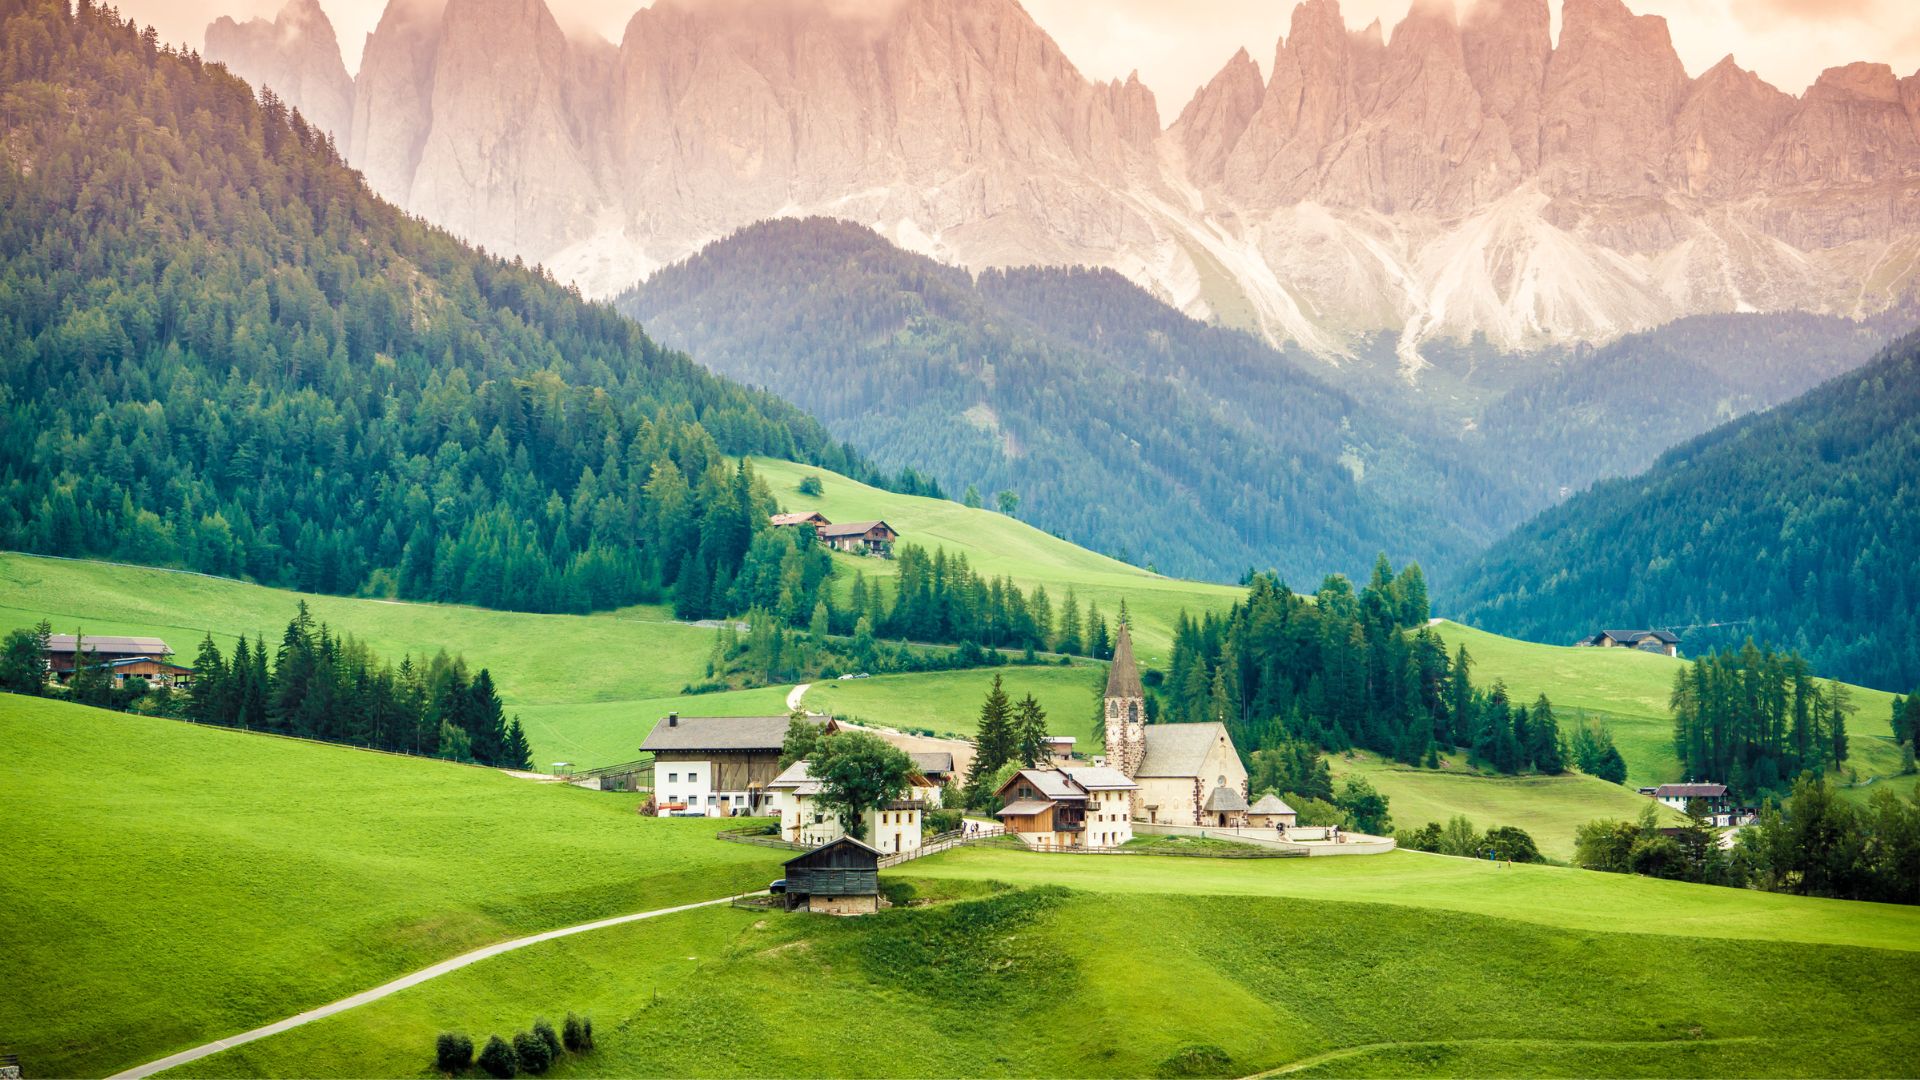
column 1120, row 424
column 1594, row 414
column 1796, row 526
column 220, row 351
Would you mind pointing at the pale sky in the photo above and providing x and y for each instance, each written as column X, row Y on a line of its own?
column 1177, row 45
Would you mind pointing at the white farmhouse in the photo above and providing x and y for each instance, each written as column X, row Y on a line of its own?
column 891, row 829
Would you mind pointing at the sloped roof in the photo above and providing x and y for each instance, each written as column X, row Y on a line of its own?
column 851, row 528
column 1099, row 778
column 797, row 779
column 800, row 518
column 1022, row 807
column 1052, row 783
column 844, row 841
column 1123, row 676
column 142, row 646
column 1270, row 804
column 933, row 762
column 1224, row 800
column 1179, row 749
column 1690, row 791
column 718, row 733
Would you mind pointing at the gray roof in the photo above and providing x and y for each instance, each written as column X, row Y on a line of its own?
column 1099, row 778
column 1123, row 676
column 718, row 733
column 1179, row 749
column 933, row 763
column 138, row 646
column 1023, row 807
column 1270, row 804
column 1690, row 791
column 851, row 528
column 796, row 778
column 1051, row 783
column 1224, row 800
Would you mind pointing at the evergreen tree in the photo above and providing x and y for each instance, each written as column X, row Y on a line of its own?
column 1543, row 739
column 519, row 754
column 994, row 739
column 1030, row 732
column 23, row 660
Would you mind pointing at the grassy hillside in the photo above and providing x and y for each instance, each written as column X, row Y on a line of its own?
column 1628, row 689
column 996, row 544
column 1550, row 808
column 949, row 701
column 168, row 884
column 1169, row 980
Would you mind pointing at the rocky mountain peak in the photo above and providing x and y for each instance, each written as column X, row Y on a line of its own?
column 1213, row 121
column 298, row 55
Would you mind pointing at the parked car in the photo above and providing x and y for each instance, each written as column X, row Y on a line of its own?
column 777, row 886
column 848, row 675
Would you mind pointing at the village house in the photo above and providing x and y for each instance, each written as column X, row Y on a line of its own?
column 715, row 766
column 1654, row 641
column 838, row 878
column 807, row 517
column 1083, row 807
column 147, row 658
column 859, row 537
column 1186, row 774
column 1713, row 796
column 936, row 766
column 890, row 829
column 1270, row 811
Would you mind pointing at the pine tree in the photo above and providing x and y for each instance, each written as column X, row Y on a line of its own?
column 519, row 754
column 1543, row 739
column 994, row 740
column 207, row 703
column 1030, row 732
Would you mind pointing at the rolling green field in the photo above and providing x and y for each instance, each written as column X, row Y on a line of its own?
column 996, row 544
column 1160, row 977
column 1628, row 689
column 1549, row 808
column 167, row 884
column 948, row 702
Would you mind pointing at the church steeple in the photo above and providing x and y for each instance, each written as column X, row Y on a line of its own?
column 1125, row 708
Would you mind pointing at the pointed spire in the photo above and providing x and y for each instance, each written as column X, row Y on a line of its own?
column 1123, row 678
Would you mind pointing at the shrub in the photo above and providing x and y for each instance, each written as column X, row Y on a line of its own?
column 1199, row 1060
column 452, row 1052
column 811, row 485
column 532, row 1051
column 547, row 1035
column 499, row 1059
column 588, row 1022
column 573, row 1033
column 1512, row 844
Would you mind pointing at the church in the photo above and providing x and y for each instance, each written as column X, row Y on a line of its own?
column 1185, row 774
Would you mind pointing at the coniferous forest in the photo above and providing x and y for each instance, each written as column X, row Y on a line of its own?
column 1796, row 526
column 221, row 352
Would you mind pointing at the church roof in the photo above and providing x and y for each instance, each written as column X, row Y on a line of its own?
column 1179, row 749
column 1271, row 804
column 1123, row 678
column 1224, row 800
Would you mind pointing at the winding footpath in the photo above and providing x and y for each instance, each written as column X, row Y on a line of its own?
column 402, row 983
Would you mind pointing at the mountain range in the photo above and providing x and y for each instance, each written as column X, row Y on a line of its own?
column 1463, row 176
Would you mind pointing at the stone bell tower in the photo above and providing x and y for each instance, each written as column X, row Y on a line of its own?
column 1126, row 709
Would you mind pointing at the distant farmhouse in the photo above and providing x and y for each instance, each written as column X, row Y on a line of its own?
column 1654, row 641
column 891, row 828
column 1679, row 795
column 1083, row 807
column 839, row 878
column 124, row 658
column 1185, row 774
column 715, row 766
column 860, row 537
column 810, row 517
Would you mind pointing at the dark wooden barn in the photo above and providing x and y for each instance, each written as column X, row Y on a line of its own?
column 840, row 878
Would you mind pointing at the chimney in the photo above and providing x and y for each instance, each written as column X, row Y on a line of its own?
column 673, row 719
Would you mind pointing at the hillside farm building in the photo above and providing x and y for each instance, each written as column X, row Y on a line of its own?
column 1654, row 641
column 860, row 537
column 810, row 517
column 123, row 657
column 1679, row 795
column 715, row 766
column 892, row 829
column 839, row 878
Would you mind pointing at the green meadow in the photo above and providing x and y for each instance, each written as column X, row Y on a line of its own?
column 996, row 544
column 1299, row 964
column 168, row 884
column 948, row 702
column 1549, row 808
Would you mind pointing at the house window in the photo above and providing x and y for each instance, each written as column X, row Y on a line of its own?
column 673, row 778
column 710, row 800
column 693, row 778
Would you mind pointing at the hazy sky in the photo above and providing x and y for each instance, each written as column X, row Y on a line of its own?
column 1178, row 44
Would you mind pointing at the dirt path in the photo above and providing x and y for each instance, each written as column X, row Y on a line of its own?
column 794, row 695
column 397, row 985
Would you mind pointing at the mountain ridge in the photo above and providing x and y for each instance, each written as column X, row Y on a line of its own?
column 1463, row 175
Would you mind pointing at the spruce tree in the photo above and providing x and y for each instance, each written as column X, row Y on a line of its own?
column 519, row 754
column 993, row 741
column 206, row 705
column 1030, row 732
column 1543, row 739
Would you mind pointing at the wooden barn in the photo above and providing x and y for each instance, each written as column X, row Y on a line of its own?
column 715, row 766
column 810, row 517
column 840, row 878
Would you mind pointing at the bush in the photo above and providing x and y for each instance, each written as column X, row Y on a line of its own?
column 1199, row 1060
column 533, row 1052
column 452, row 1052
column 811, row 485
column 547, row 1035
column 1512, row 844
column 574, row 1034
column 499, row 1059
